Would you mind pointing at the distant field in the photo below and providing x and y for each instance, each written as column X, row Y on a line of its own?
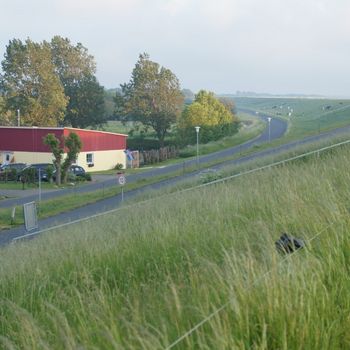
column 117, row 127
column 305, row 116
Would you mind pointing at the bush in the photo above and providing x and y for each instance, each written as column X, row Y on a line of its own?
column 119, row 166
column 188, row 136
column 87, row 177
column 28, row 175
column 210, row 175
column 9, row 175
column 188, row 151
column 143, row 144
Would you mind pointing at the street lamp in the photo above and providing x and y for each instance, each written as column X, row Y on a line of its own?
column 18, row 118
column 197, row 131
column 269, row 120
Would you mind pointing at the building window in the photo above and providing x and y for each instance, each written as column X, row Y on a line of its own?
column 90, row 158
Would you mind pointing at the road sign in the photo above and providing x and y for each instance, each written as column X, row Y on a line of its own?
column 121, row 180
column 30, row 216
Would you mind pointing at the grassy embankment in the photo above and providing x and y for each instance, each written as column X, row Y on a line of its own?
column 143, row 276
column 308, row 116
column 71, row 201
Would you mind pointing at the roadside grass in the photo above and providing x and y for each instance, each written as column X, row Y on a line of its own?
column 210, row 174
column 17, row 185
column 140, row 278
column 251, row 127
column 72, row 201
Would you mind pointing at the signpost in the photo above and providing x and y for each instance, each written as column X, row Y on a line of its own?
column 122, row 182
column 30, row 216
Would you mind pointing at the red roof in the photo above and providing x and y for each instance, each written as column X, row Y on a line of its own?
column 30, row 139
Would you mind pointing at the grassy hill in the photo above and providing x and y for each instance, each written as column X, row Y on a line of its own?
column 142, row 277
column 305, row 116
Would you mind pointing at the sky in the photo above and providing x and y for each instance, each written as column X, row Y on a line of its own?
column 266, row 46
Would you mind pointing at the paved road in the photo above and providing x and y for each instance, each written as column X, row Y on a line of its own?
column 112, row 203
column 277, row 129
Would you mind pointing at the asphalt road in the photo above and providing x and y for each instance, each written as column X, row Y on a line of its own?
column 277, row 129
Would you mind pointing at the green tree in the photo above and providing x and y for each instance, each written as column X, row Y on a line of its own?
column 228, row 103
column 55, row 146
column 7, row 117
column 73, row 144
column 206, row 110
column 29, row 83
column 152, row 97
column 86, row 104
column 215, row 118
column 76, row 69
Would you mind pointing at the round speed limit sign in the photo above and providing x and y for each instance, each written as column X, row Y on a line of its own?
column 121, row 180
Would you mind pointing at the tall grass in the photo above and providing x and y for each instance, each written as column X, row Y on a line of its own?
column 140, row 278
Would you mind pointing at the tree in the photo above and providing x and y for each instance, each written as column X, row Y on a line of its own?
column 7, row 118
column 29, row 83
column 55, row 146
column 86, row 104
column 188, row 95
column 152, row 97
column 76, row 70
column 73, row 144
column 215, row 118
column 206, row 110
column 228, row 103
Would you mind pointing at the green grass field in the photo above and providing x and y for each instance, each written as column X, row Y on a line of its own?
column 305, row 116
column 143, row 276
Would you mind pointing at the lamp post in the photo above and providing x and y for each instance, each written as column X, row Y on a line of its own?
column 197, row 131
column 269, row 120
column 18, row 118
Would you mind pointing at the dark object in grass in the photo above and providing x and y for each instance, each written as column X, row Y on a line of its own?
column 288, row 244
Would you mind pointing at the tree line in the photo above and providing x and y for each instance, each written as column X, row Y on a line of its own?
column 50, row 84
column 154, row 99
column 54, row 84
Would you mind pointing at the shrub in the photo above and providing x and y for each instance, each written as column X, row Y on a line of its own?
column 210, row 175
column 188, row 136
column 118, row 166
column 87, row 177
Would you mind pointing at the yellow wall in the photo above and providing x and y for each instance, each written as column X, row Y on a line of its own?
column 103, row 160
column 32, row 157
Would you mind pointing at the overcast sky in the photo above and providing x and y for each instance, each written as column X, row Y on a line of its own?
column 275, row 46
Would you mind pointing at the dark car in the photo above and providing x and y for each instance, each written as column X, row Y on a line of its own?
column 9, row 172
column 31, row 172
column 74, row 170
column 17, row 166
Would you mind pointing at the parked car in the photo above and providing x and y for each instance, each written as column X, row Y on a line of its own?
column 17, row 166
column 8, row 172
column 31, row 172
column 74, row 170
